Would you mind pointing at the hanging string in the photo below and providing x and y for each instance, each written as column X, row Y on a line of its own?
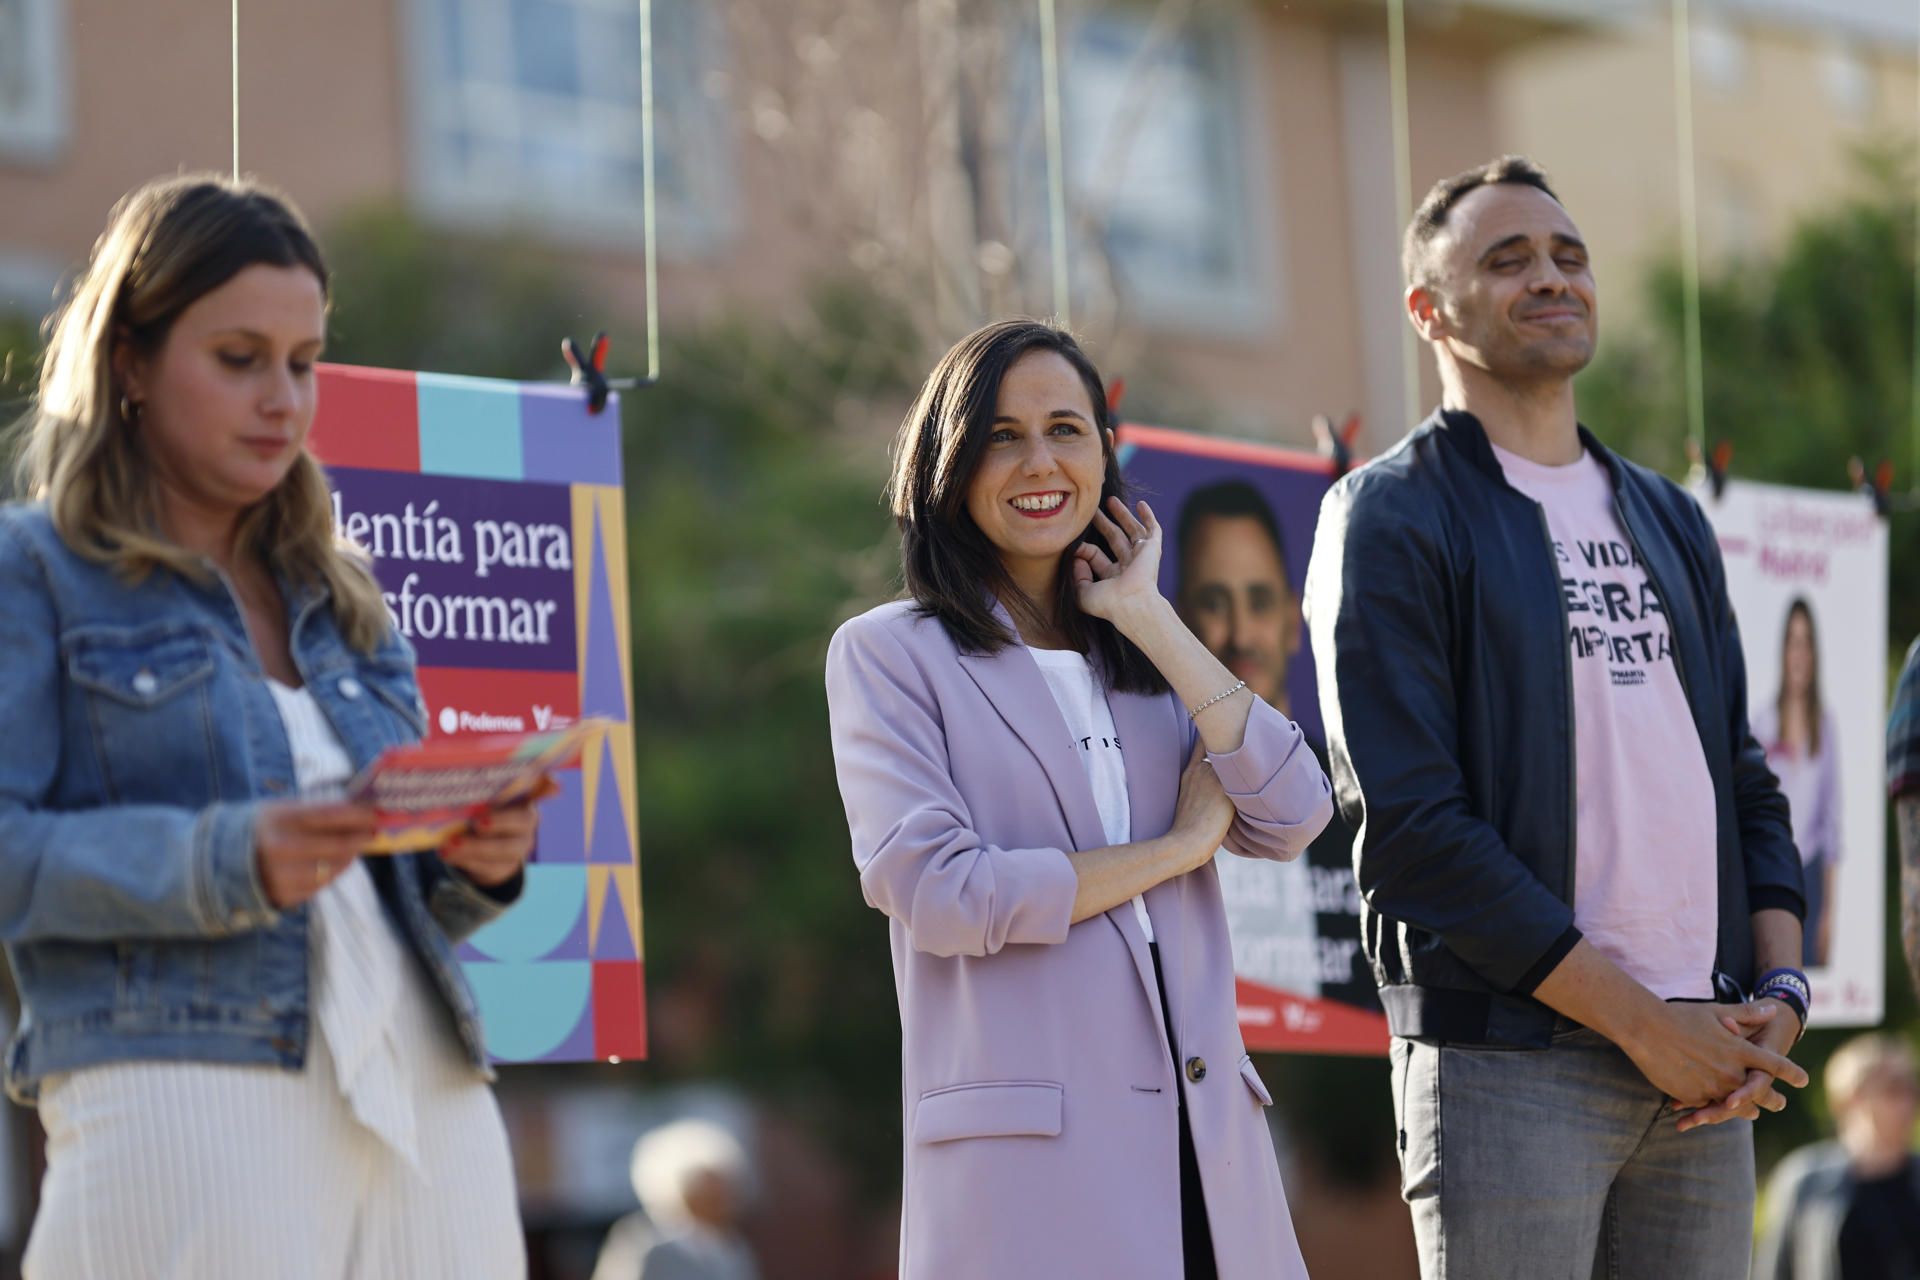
column 648, row 229
column 234, row 26
column 1056, row 179
column 1403, row 187
column 1914, row 478
column 1689, row 227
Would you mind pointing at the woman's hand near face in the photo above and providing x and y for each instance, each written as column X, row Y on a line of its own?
column 498, row 843
column 302, row 846
column 1114, row 586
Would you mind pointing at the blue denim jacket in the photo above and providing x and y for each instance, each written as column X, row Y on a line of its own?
column 137, row 738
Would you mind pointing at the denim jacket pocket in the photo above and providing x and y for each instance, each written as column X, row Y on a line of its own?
column 397, row 685
column 145, row 695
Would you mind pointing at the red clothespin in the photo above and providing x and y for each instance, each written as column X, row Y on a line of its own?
column 590, row 371
column 1717, row 462
column 1116, row 392
column 1336, row 446
column 1875, row 486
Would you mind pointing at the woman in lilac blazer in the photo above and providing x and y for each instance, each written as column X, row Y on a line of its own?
column 1038, row 760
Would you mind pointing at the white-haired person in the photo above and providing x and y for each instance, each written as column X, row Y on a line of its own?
column 693, row 1180
column 1850, row 1209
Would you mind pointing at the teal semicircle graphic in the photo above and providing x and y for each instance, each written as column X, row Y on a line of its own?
column 552, row 906
column 528, row 1010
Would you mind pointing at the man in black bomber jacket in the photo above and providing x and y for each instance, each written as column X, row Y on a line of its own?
column 1574, row 862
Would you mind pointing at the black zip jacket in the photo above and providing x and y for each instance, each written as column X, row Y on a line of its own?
column 1440, row 636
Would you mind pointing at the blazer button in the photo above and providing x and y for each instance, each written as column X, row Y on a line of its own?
column 1196, row 1069
column 349, row 688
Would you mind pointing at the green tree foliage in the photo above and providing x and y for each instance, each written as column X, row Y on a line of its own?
column 1808, row 360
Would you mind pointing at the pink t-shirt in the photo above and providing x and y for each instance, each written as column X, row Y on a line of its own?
column 1646, row 880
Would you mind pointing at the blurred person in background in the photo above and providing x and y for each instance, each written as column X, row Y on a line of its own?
column 693, row 1181
column 253, row 1052
column 1803, row 750
column 1903, row 784
column 1039, row 760
column 1850, row 1209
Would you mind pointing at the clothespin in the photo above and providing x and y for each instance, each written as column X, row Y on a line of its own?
column 1716, row 463
column 1116, row 392
column 1336, row 446
column 590, row 371
column 1875, row 486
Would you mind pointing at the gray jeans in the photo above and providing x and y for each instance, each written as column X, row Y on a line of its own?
column 1564, row 1164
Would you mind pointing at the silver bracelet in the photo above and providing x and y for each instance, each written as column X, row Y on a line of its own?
column 1218, row 697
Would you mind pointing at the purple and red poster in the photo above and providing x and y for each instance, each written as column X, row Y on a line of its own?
column 1239, row 521
column 494, row 514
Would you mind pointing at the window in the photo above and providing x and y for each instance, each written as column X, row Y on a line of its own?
column 1719, row 52
column 1162, row 168
column 33, row 80
column 528, row 111
column 1848, row 79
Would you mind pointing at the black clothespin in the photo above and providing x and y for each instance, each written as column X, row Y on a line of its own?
column 590, row 371
column 1716, row 463
column 1336, row 446
column 1875, row 486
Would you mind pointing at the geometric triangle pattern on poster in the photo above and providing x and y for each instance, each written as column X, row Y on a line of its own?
column 562, row 834
column 614, row 940
column 622, row 884
column 603, row 692
column 609, row 843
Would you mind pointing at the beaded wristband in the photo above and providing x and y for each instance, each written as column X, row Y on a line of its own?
column 1218, row 697
column 1790, row 987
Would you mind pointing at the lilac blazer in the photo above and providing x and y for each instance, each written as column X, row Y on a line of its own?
column 1038, row 1088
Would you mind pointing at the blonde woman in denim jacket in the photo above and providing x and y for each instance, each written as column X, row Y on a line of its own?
column 252, row 1050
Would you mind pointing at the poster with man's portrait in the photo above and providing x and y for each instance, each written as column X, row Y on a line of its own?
column 1239, row 522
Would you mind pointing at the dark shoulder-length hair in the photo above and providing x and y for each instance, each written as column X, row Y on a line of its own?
column 952, row 571
column 1801, row 608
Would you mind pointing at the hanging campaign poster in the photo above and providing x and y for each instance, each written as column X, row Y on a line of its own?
column 1807, row 574
column 493, row 512
column 1239, row 521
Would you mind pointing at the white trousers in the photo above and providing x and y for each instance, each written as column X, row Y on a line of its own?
column 193, row 1171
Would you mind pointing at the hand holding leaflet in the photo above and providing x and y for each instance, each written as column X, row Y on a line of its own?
column 425, row 794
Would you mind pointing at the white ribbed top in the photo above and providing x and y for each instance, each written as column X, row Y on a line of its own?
column 358, row 962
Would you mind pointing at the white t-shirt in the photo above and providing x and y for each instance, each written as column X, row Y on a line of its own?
column 1083, row 705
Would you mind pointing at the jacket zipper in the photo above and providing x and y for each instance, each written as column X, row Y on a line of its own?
column 1573, row 746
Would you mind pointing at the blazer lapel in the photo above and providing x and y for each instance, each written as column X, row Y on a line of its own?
column 1152, row 756
column 1012, row 681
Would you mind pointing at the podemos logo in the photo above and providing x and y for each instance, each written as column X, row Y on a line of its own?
column 453, row 720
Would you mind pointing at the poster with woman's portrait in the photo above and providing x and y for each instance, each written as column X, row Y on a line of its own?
column 1807, row 574
column 1239, row 522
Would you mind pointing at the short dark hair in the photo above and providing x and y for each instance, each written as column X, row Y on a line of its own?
column 951, row 570
column 1431, row 217
column 1228, row 499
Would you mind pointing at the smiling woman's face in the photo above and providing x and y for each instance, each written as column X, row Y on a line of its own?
column 1038, row 482
column 227, row 399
